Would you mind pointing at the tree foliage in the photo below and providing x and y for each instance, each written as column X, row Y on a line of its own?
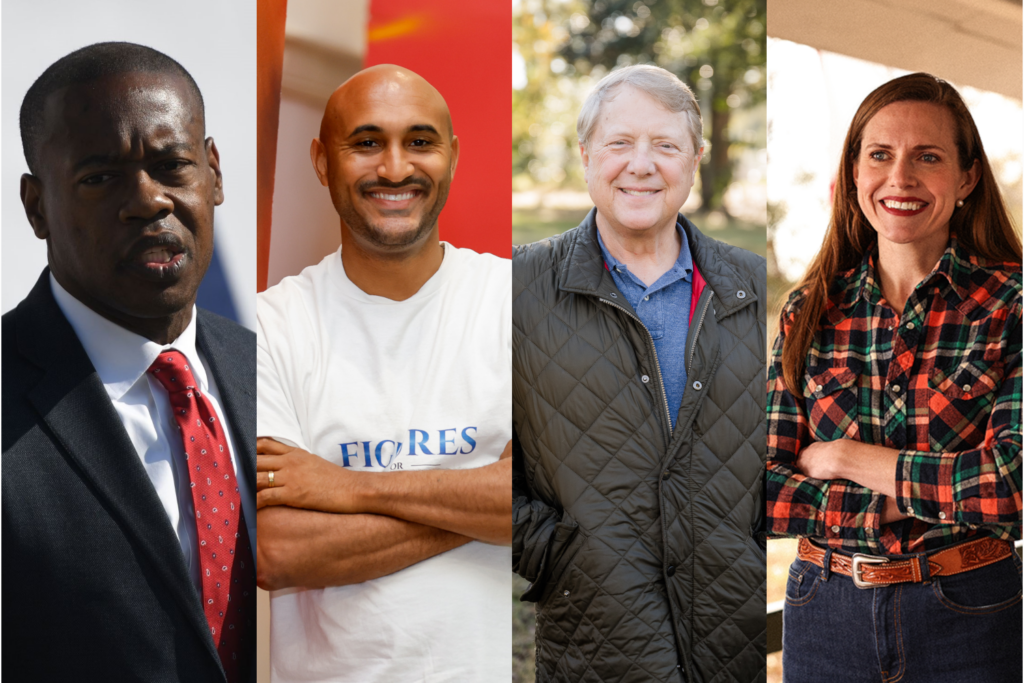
column 715, row 46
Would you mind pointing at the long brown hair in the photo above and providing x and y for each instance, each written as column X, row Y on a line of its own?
column 982, row 226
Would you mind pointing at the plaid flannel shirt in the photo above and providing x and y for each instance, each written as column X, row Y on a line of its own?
column 941, row 383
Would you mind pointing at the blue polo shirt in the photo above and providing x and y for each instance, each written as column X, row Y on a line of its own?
column 664, row 308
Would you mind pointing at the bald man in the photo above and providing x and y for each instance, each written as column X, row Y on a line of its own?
column 384, row 416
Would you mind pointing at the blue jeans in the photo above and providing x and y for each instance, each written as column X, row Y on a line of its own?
column 964, row 628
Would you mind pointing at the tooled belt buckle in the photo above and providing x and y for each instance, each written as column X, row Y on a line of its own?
column 862, row 559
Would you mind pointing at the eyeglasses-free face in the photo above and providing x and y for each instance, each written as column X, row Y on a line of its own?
column 908, row 174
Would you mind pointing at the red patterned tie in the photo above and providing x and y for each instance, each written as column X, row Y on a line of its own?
column 225, row 555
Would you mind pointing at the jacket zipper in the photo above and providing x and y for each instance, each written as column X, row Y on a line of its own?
column 657, row 369
column 668, row 429
column 693, row 346
column 693, row 339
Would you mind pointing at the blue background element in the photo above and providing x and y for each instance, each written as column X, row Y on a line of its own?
column 214, row 294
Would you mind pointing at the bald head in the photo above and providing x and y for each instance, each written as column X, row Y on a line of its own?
column 387, row 153
column 385, row 84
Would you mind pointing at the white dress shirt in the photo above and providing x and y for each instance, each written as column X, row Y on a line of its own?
column 121, row 359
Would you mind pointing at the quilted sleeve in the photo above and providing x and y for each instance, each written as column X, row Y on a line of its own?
column 978, row 486
column 760, row 530
column 841, row 511
column 533, row 525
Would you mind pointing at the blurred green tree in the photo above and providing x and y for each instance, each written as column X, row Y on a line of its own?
column 545, row 105
column 715, row 46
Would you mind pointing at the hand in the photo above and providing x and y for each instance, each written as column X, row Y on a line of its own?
column 302, row 480
column 873, row 467
column 820, row 459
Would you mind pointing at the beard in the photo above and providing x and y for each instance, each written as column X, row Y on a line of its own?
column 378, row 235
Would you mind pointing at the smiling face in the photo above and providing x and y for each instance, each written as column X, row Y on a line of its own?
column 908, row 174
column 388, row 156
column 125, row 197
column 639, row 163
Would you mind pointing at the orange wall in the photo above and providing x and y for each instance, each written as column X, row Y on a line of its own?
column 269, row 55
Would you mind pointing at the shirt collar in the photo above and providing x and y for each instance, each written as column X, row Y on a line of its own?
column 681, row 270
column 957, row 268
column 868, row 287
column 954, row 268
column 122, row 357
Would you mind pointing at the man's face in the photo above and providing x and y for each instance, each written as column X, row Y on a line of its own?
column 125, row 195
column 639, row 163
column 388, row 157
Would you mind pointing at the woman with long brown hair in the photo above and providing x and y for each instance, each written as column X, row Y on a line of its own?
column 894, row 401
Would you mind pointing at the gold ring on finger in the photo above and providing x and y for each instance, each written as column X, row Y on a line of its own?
column 271, row 477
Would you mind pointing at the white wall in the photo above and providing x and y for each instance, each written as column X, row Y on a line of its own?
column 305, row 225
column 214, row 40
column 325, row 41
column 336, row 23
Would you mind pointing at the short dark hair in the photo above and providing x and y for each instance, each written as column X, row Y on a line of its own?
column 91, row 63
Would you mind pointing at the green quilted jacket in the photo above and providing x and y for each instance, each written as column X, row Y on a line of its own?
column 644, row 547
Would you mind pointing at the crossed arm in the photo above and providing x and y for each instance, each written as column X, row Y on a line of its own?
column 873, row 467
column 850, row 491
column 321, row 525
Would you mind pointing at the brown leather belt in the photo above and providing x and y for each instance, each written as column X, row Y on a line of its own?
column 869, row 571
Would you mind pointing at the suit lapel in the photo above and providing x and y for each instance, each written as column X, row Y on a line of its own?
column 234, row 371
column 235, row 374
column 71, row 400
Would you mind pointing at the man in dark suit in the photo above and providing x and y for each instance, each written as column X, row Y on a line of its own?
column 128, row 415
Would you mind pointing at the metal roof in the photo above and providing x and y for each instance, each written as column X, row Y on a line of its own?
column 969, row 42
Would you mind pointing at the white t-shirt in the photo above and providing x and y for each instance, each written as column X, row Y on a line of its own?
column 375, row 384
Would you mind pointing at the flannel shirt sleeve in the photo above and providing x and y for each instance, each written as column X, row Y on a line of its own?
column 840, row 511
column 980, row 486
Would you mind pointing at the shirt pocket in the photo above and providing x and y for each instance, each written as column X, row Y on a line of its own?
column 831, row 397
column 960, row 402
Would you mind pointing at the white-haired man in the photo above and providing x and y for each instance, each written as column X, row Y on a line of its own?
column 638, row 413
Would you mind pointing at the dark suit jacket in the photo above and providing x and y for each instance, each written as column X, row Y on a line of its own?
column 95, row 587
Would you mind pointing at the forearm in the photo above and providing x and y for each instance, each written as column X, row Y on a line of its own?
column 317, row 549
column 872, row 467
column 856, row 470
column 979, row 486
column 473, row 502
column 838, row 510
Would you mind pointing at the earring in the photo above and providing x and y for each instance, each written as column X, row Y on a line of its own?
column 959, row 202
